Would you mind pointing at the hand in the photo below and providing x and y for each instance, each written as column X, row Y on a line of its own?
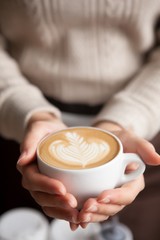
column 133, row 143
column 49, row 193
column 112, row 201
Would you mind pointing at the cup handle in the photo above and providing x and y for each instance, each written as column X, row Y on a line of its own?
column 132, row 158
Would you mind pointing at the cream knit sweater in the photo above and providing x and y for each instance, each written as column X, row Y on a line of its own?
column 79, row 51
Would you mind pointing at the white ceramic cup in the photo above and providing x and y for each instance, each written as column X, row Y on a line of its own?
column 23, row 224
column 86, row 183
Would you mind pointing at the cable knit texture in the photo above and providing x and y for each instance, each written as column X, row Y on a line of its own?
column 79, row 51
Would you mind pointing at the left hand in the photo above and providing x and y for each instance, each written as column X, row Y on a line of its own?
column 49, row 193
column 111, row 201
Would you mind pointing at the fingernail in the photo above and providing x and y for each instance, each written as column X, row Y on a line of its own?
column 104, row 200
column 92, row 208
column 72, row 203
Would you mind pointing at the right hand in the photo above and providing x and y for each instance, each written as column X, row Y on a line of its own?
column 49, row 193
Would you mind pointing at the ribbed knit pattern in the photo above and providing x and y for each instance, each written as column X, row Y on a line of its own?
column 79, row 51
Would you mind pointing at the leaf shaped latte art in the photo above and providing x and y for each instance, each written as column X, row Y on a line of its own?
column 75, row 150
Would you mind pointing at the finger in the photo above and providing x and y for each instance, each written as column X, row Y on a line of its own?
column 140, row 146
column 33, row 136
column 33, row 180
column 29, row 145
column 94, row 207
column 84, row 225
column 68, row 214
column 90, row 218
column 131, row 167
column 25, row 159
column 85, row 216
column 123, row 195
column 50, row 200
column 73, row 226
column 147, row 152
column 104, row 209
column 28, row 151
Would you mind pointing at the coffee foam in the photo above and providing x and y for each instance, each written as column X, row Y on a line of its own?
column 78, row 148
column 78, row 151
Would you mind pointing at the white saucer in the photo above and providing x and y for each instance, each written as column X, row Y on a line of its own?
column 60, row 230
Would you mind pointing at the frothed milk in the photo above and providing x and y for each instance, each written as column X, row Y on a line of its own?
column 78, row 148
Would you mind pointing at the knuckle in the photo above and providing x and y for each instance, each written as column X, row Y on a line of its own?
column 129, row 200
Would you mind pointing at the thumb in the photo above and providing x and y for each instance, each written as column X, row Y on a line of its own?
column 34, row 134
column 28, row 147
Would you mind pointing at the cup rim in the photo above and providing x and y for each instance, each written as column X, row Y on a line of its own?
column 120, row 151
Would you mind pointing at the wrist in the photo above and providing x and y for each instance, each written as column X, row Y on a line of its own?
column 42, row 116
column 110, row 126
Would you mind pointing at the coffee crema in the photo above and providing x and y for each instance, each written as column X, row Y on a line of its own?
column 78, row 148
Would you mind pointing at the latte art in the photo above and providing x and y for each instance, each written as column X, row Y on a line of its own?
column 78, row 148
column 78, row 151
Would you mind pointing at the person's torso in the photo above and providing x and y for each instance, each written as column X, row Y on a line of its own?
column 79, row 50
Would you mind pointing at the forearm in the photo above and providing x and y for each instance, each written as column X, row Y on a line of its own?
column 19, row 99
column 136, row 107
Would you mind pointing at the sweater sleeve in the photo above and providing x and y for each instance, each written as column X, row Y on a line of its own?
column 18, row 98
column 137, row 106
